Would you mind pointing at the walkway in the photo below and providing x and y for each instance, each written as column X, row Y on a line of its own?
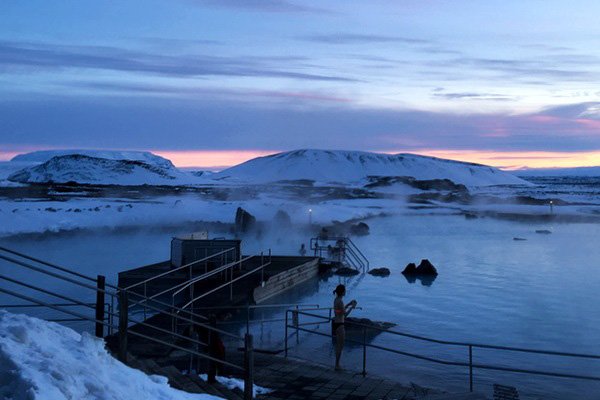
column 298, row 379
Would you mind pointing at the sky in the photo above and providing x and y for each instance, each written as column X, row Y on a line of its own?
column 211, row 83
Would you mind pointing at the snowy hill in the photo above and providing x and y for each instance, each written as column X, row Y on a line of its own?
column 94, row 170
column 45, row 155
column 345, row 167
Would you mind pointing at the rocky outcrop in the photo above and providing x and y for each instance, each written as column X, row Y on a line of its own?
column 379, row 271
column 244, row 221
column 425, row 268
column 410, row 269
column 282, row 219
column 360, row 229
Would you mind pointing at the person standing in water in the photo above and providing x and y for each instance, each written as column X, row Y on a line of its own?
column 340, row 311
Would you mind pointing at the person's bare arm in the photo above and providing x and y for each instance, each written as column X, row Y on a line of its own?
column 349, row 307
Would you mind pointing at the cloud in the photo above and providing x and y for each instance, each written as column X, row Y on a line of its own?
column 275, row 6
column 223, row 123
column 472, row 96
column 358, row 38
column 48, row 56
column 128, row 88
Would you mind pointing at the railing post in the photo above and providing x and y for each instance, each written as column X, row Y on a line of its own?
column 470, row 368
column 295, row 322
column 364, row 371
column 286, row 332
column 212, row 365
column 247, row 318
column 248, row 368
column 100, row 284
column 123, row 320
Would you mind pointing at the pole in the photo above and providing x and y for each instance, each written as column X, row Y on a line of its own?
column 470, row 368
column 123, row 319
column 248, row 368
column 286, row 332
column 247, row 318
column 364, row 371
column 212, row 338
column 100, row 283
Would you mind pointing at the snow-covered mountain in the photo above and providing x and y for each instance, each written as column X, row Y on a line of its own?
column 45, row 155
column 345, row 167
column 95, row 170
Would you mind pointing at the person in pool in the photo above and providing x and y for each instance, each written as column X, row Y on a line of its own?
column 340, row 311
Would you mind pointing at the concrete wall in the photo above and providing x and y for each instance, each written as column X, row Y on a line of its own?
column 286, row 279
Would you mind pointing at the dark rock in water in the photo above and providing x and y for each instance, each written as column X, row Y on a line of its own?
column 244, row 221
column 543, row 231
column 426, row 268
column 519, row 239
column 282, row 219
column 357, row 323
column 360, row 229
column 410, row 269
column 323, row 233
column 380, row 271
column 345, row 271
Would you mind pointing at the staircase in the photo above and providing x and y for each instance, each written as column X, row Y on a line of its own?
column 339, row 250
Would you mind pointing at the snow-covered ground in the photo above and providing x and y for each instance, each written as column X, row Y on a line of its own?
column 46, row 361
column 235, row 383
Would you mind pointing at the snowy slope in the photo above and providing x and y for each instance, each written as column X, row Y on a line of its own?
column 95, row 170
column 354, row 166
column 45, row 155
column 44, row 360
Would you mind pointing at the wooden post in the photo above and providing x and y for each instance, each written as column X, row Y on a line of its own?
column 123, row 319
column 212, row 344
column 248, row 368
column 100, row 283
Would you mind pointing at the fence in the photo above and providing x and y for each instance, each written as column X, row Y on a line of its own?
column 469, row 348
column 104, row 318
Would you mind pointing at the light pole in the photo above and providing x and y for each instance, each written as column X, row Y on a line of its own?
column 551, row 207
column 310, row 217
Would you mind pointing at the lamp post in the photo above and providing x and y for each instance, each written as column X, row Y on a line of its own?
column 310, row 217
column 551, row 207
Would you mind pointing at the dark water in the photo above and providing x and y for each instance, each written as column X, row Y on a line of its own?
column 540, row 293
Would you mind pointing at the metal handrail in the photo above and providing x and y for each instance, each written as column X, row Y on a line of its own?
column 225, row 284
column 454, row 343
column 123, row 316
column 178, row 268
column 470, row 347
column 357, row 260
column 208, row 274
column 115, row 295
column 58, row 267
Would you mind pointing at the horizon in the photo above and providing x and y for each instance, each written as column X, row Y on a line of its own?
column 219, row 160
column 447, row 80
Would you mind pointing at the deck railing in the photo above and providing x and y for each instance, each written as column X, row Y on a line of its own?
column 343, row 250
column 469, row 347
column 105, row 318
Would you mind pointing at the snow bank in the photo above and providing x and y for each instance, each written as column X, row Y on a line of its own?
column 44, row 360
column 345, row 167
